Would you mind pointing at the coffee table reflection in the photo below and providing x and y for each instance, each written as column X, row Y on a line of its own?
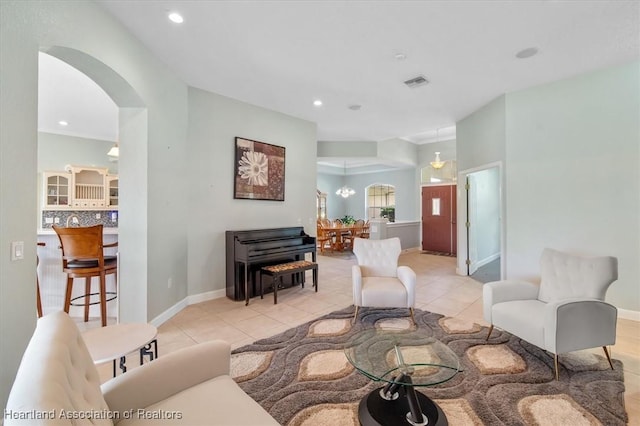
column 403, row 359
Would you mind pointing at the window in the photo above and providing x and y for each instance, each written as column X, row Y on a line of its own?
column 381, row 202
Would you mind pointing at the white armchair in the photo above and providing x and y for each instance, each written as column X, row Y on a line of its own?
column 565, row 313
column 58, row 384
column 378, row 281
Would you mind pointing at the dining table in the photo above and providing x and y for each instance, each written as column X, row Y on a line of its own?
column 340, row 230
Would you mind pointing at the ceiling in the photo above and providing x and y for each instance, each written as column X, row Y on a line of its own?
column 283, row 55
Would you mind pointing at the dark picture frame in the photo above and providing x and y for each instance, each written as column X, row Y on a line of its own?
column 259, row 170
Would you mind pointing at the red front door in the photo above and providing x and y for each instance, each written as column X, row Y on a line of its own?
column 439, row 218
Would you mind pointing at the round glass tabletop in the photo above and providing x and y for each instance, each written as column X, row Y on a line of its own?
column 391, row 355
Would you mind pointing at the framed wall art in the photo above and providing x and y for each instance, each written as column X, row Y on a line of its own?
column 259, row 171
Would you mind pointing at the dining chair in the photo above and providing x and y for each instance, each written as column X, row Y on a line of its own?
column 323, row 238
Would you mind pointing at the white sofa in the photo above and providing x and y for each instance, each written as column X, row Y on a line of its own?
column 58, row 384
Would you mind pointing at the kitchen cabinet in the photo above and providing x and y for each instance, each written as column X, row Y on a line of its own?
column 80, row 188
column 56, row 190
column 88, row 187
column 112, row 191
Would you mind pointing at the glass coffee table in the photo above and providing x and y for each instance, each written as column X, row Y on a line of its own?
column 403, row 360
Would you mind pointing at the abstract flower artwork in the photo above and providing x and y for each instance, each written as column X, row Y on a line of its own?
column 259, row 170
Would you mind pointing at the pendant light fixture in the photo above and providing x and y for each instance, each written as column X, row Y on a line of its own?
column 345, row 191
column 114, row 151
column 437, row 163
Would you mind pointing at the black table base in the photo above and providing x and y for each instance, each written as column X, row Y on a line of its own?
column 374, row 410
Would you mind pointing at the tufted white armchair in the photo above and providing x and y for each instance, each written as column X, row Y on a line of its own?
column 378, row 281
column 566, row 312
column 58, row 384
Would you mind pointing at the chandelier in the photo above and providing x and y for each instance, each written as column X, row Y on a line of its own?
column 345, row 191
column 437, row 164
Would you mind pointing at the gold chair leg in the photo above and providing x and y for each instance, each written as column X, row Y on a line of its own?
column 413, row 318
column 555, row 365
column 355, row 314
column 606, row 352
column 489, row 333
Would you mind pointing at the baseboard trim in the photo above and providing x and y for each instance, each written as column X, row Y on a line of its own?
column 486, row 260
column 216, row 294
column 629, row 315
column 189, row 300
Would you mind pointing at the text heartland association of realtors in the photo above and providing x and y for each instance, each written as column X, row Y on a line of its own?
column 91, row 414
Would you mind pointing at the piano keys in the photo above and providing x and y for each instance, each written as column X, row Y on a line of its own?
column 248, row 251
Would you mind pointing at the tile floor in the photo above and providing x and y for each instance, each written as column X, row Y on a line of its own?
column 439, row 290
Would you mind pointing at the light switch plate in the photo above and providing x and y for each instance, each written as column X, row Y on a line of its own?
column 17, row 250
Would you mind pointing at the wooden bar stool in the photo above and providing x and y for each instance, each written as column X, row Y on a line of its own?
column 83, row 257
column 38, row 299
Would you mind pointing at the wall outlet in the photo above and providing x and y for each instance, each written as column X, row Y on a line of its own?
column 56, row 220
column 48, row 220
column 98, row 216
column 170, row 282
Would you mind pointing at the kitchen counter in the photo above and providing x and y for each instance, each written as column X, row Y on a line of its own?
column 50, row 231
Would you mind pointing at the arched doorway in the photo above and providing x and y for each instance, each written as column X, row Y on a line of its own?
column 132, row 167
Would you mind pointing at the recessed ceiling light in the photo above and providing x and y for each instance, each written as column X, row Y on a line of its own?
column 400, row 56
column 63, row 123
column 527, row 53
column 176, row 17
column 317, row 102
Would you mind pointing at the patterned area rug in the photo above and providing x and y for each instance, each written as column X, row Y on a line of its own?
column 302, row 377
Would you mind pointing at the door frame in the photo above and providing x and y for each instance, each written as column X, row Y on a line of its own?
column 461, row 265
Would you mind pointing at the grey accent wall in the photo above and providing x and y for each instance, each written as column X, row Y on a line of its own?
column 571, row 153
column 152, row 218
column 573, row 174
column 336, row 206
column 407, row 187
column 214, row 122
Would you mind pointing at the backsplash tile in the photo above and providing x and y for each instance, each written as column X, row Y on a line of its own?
column 108, row 218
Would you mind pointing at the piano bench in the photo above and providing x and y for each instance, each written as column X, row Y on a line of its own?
column 290, row 268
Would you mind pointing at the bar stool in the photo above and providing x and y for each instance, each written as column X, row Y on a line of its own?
column 83, row 257
column 38, row 299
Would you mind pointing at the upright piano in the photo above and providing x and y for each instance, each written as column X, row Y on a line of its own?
column 248, row 251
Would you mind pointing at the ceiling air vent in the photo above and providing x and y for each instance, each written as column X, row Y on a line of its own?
column 416, row 82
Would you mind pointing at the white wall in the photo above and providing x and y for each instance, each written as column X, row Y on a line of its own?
column 214, row 122
column 571, row 153
column 427, row 152
column 572, row 169
column 152, row 217
column 487, row 214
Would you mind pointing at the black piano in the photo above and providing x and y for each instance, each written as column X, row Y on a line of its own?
column 248, row 251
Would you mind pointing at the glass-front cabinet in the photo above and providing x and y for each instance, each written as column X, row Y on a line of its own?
column 112, row 190
column 57, row 190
